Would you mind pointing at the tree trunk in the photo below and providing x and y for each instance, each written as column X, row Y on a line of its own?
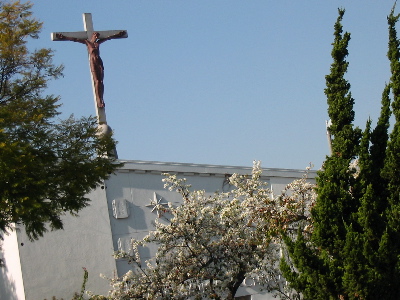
column 234, row 286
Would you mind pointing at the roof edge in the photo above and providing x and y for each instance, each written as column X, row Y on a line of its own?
column 164, row 167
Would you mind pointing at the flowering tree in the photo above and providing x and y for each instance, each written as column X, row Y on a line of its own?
column 211, row 244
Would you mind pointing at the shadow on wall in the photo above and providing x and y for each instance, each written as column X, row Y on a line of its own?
column 7, row 284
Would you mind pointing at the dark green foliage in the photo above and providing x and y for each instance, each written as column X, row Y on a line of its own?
column 354, row 250
column 46, row 166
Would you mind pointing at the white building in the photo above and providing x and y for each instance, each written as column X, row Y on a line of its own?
column 120, row 209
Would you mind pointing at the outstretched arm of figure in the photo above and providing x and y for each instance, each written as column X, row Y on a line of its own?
column 60, row 36
column 114, row 36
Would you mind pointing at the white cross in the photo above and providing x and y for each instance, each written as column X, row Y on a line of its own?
column 81, row 36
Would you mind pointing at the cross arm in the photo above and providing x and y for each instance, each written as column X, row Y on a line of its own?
column 112, row 34
column 80, row 35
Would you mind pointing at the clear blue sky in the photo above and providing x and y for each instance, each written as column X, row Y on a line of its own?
column 219, row 82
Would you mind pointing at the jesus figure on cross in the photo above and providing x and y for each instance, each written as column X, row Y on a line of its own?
column 96, row 63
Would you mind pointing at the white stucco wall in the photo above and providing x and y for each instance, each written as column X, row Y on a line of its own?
column 52, row 266
column 11, row 282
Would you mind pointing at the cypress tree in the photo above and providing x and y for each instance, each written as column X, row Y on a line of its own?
column 354, row 250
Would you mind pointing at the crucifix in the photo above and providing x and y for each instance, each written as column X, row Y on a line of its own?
column 92, row 39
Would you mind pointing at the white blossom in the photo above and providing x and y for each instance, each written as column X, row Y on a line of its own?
column 213, row 243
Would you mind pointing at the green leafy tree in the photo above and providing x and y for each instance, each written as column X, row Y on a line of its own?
column 47, row 166
column 354, row 249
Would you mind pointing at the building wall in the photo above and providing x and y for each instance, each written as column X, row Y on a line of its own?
column 11, row 282
column 52, row 266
